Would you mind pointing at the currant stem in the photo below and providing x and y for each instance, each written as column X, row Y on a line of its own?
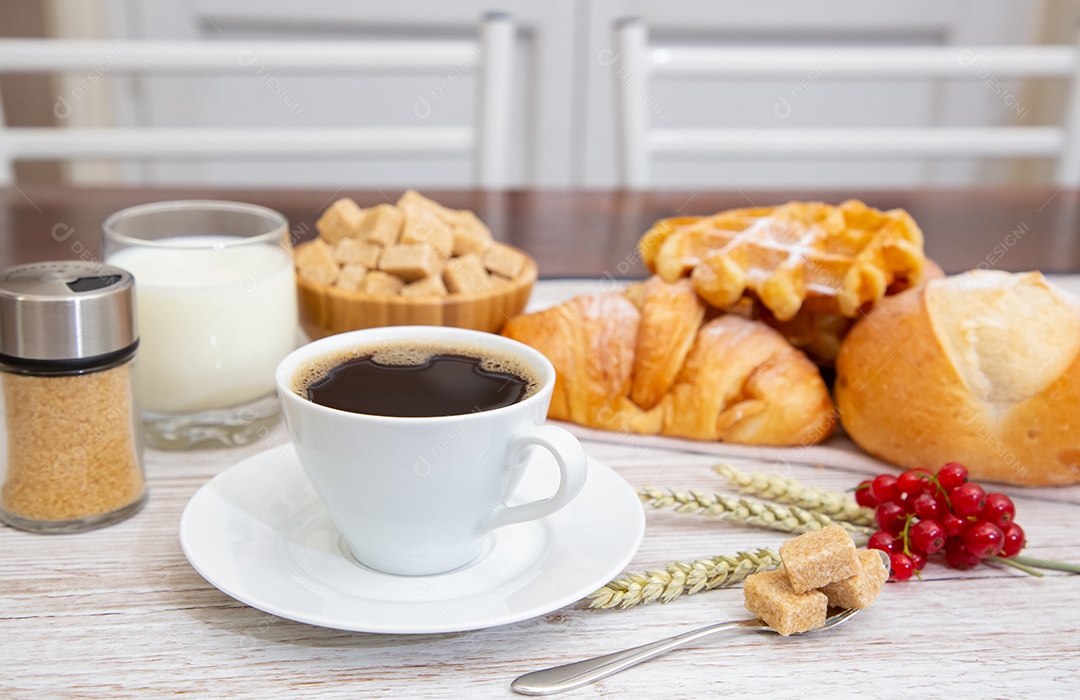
column 906, row 536
column 1046, row 564
column 941, row 490
column 1017, row 565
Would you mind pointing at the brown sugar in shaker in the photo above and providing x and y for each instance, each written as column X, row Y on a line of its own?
column 70, row 446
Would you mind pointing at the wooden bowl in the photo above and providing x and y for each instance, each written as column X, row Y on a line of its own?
column 328, row 310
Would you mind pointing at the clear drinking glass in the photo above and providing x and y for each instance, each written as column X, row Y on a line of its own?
column 216, row 311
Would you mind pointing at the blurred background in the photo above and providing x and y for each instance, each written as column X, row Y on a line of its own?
column 563, row 127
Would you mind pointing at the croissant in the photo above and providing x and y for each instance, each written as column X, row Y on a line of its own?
column 647, row 361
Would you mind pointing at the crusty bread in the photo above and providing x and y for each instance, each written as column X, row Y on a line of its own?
column 982, row 369
column 647, row 362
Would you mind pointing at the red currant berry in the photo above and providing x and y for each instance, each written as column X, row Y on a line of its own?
column 928, row 536
column 952, row 475
column 918, row 560
column 864, row 494
column 885, row 488
column 927, row 507
column 891, row 517
column 968, row 499
column 882, row 541
column 957, row 555
column 902, row 566
column 1014, row 541
column 954, row 525
column 912, row 481
column 984, row 539
column 999, row 509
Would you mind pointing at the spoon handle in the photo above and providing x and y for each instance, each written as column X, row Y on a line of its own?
column 579, row 673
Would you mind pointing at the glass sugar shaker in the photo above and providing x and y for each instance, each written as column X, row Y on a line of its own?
column 70, row 444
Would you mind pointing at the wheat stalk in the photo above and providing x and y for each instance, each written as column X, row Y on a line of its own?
column 745, row 511
column 678, row 578
column 781, row 489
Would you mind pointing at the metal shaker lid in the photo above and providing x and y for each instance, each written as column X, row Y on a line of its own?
column 66, row 310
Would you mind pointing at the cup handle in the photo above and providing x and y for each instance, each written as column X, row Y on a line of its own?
column 573, row 469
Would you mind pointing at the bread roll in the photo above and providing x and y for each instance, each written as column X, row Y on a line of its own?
column 982, row 369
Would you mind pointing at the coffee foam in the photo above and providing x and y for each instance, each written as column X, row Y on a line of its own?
column 405, row 353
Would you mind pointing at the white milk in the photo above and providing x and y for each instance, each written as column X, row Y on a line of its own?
column 213, row 323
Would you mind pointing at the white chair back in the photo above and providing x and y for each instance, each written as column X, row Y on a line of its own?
column 487, row 139
column 639, row 62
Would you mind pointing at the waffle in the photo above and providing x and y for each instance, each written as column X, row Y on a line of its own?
column 808, row 256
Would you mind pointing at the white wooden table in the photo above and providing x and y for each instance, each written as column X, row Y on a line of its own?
column 119, row 612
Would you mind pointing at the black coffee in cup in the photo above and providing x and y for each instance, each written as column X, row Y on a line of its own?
column 416, row 380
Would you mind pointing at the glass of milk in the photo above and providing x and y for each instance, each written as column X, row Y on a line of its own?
column 216, row 310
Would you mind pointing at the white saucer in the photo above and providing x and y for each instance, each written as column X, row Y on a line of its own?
column 258, row 532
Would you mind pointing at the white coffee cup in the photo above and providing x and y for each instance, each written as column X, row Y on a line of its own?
column 421, row 496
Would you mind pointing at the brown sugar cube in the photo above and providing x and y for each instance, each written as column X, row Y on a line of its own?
column 860, row 590
column 341, row 220
column 412, row 199
column 504, row 260
column 410, row 261
column 470, row 233
column 350, row 251
column 428, row 287
column 818, row 558
column 381, row 224
column 424, row 227
column 466, row 274
column 496, row 281
column 315, row 262
column 382, row 283
column 467, row 219
column 351, row 277
column 466, row 242
column 770, row 597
